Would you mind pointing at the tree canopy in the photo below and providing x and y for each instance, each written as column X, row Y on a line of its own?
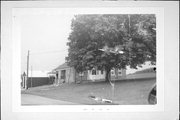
column 134, row 34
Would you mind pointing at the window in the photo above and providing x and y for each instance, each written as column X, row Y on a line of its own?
column 101, row 71
column 119, row 72
column 112, row 72
column 97, row 72
column 93, row 72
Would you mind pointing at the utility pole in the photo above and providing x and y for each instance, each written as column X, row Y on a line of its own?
column 31, row 75
column 27, row 70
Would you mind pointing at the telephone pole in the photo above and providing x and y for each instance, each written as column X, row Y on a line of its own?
column 31, row 75
column 27, row 70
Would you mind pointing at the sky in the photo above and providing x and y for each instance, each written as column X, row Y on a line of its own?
column 45, row 36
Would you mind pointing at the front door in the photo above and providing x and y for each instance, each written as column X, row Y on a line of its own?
column 63, row 75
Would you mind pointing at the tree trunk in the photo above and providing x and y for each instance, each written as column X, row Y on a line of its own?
column 107, row 75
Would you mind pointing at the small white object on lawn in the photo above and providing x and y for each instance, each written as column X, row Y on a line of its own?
column 121, row 52
column 106, row 100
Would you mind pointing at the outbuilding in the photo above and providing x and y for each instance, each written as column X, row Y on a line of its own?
column 64, row 74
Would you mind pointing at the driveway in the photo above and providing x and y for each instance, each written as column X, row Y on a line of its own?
column 28, row 99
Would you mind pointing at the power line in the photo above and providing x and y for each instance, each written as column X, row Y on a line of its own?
column 47, row 52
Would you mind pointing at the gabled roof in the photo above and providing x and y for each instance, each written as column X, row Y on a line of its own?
column 62, row 66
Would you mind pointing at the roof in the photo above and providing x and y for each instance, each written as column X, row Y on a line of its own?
column 52, row 72
column 62, row 66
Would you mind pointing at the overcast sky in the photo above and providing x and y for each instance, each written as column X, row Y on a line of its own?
column 46, row 37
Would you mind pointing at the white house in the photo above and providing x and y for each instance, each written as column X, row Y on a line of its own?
column 67, row 74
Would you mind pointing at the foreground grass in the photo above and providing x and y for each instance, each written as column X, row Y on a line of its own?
column 129, row 92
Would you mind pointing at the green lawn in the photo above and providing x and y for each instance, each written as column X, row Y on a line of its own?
column 127, row 92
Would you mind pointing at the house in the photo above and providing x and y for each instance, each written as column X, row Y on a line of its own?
column 67, row 74
column 64, row 73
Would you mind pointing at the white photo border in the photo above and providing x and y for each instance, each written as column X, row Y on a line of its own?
column 16, row 37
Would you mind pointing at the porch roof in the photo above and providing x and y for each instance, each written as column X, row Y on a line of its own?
column 52, row 72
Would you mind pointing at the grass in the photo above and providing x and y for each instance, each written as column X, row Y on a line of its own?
column 127, row 92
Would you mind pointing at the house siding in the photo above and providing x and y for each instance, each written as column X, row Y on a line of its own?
column 98, row 75
column 114, row 75
column 69, row 75
column 83, row 77
column 119, row 76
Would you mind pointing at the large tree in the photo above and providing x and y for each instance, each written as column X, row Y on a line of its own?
column 135, row 35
